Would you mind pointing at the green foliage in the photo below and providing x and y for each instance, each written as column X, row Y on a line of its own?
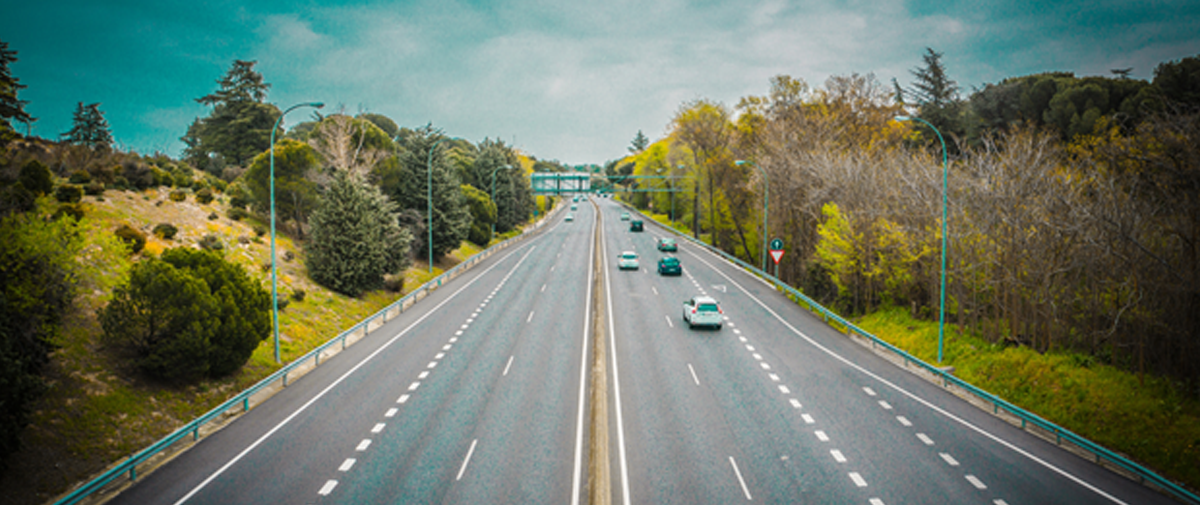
column 72, row 210
column 383, row 122
column 239, row 196
column 188, row 315
column 89, row 128
column 11, row 108
column 177, row 195
column 298, row 295
column 38, row 277
column 237, row 213
column 204, row 196
column 239, row 127
column 136, row 240
column 355, row 239
column 451, row 217
column 1179, row 81
column 138, row 174
column 36, row 178
column 295, row 193
column 165, row 231
column 16, row 199
column 68, row 193
column 639, row 143
column 211, row 243
column 93, row 189
column 80, row 177
column 483, row 214
column 837, row 250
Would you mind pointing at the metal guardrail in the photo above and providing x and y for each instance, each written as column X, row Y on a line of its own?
column 1099, row 452
column 129, row 466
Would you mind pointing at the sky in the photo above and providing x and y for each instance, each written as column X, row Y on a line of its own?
column 563, row 80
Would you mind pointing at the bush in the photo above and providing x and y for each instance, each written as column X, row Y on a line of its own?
column 260, row 231
column 68, row 193
column 131, row 236
column 213, row 216
column 80, row 177
column 356, row 239
column 36, row 178
column 204, row 196
column 242, row 239
column 162, row 177
column 93, row 189
column 237, row 214
column 120, row 182
column 165, row 231
column 188, row 315
column 288, row 256
column 211, row 243
column 298, row 295
column 15, row 199
column 74, row 211
column 177, row 195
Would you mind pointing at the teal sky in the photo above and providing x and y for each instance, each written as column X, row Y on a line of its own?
column 565, row 80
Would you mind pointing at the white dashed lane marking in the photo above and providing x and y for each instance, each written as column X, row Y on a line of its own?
column 925, row 438
column 885, row 405
column 327, row 488
column 795, row 402
column 976, row 482
column 402, row 399
column 362, row 446
column 904, row 420
column 378, row 427
column 346, row 465
column 858, row 480
column 391, row 412
column 694, row 378
column 510, row 360
column 423, row 375
column 807, row 419
column 414, row 386
column 784, row 389
column 821, row 436
column 869, row 391
column 949, row 459
column 669, row 323
column 837, row 456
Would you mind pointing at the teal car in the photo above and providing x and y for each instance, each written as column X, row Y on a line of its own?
column 667, row 244
column 624, row 216
column 669, row 265
column 570, row 217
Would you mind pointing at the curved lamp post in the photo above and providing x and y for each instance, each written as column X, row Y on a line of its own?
column 505, row 167
column 766, row 200
column 429, row 195
column 274, row 291
column 945, row 190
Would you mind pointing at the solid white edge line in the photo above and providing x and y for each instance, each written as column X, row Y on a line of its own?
column 466, row 460
column 576, row 482
column 339, row 380
column 612, row 336
column 918, row 399
column 740, row 479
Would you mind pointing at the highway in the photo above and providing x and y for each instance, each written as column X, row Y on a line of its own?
column 479, row 394
column 776, row 407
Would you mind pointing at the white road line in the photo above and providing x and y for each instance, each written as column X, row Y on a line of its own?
column 510, row 358
column 669, row 323
column 925, row 438
column 362, row 446
column 795, row 402
column 458, row 333
column 737, row 331
column 821, row 436
column 743, row 339
column 466, row 460
column 378, row 428
column 858, row 480
column 764, row 365
column 784, row 389
column 346, row 465
column 976, row 482
column 869, row 391
column 543, row 290
column 530, row 318
column 750, row 348
column 391, row 412
column 904, row 420
column 414, row 386
column 885, row 405
column 612, row 337
column 423, row 375
column 652, row 288
column 949, row 459
column 876, row 501
column 465, row 326
column 740, row 479
column 837, row 456
column 807, row 419
column 757, row 356
column 402, row 399
column 470, row 320
column 327, row 488
column 913, row 396
column 439, row 355
column 583, row 369
column 774, row 378
column 693, row 370
column 999, row 502
column 453, row 340
column 446, row 347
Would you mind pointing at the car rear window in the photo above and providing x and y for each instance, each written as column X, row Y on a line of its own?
column 707, row 307
column 670, row 261
column 629, row 256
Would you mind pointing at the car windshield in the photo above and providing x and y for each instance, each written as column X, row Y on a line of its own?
column 668, row 241
column 629, row 256
column 707, row 307
column 670, row 261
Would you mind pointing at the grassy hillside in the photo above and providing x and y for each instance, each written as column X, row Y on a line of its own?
column 98, row 409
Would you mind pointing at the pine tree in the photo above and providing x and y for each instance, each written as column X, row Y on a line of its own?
column 239, row 127
column 933, row 86
column 11, row 108
column 89, row 128
column 639, row 144
column 451, row 217
column 355, row 238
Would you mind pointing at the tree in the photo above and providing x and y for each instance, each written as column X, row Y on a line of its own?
column 350, row 144
column 1179, row 81
column 483, row 214
column 89, row 128
column 936, row 96
column 187, row 315
column 296, row 165
column 239, row 127
column 11, row 107
column 451, row 218
column 356, row 238
column 36, row 178
column 639, row 144
column 384, row 123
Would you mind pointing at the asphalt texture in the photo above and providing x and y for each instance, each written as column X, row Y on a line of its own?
column 777, row 407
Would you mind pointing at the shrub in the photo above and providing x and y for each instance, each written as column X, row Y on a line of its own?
column 188, row 315
column 68, row 193
column 80, row 177
column 356, row 239
column 298, row 295
column 288, row 256
column 204, row 196
column 394, row 284
column 72, row 210
column 165, row 231
column 213, row 216
column 93, row 189
column 283, row 303
column 242, row 239
column 15, row 198
column 260, row 231
column 177, row 195
column 36, row 178
column 120, row 182
column 131, row 236
column 237, row 214
column 211, row 243
column 161, row 177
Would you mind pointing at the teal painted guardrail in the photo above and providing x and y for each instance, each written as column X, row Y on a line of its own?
column 242, row 400
column 1099, row 452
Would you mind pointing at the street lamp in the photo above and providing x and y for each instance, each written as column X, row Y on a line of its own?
column 945, row 190
column 429, row 195
column 505, row 167
column 765, row 201
column 274, row 291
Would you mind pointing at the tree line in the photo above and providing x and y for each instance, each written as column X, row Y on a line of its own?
column 1074, row 215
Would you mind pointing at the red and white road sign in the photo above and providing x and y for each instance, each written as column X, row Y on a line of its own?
column 776, row 254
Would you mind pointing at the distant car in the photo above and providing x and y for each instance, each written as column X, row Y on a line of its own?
column 628, row 260
column 668, row 265
column 570, row 217
column 667, row 244
column 577, row 198
column 624, row 216
column 574, row 207
column 703, row 311
column 635, row 225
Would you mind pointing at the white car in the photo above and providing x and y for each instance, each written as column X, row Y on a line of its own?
column 570, row 217
column 703, row 311
column 628, row 260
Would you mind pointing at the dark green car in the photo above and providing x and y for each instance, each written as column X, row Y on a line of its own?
column 635, row 225
column 669, row 266
column 667, row 244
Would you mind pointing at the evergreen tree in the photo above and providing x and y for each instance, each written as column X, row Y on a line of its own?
column 936, row 96
column 239, row 127
column 355, row 238
column 11, row 107
column 451, row 217
column 639, row 143
column 483, row 214
column 296, row 194
column 89, row 128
